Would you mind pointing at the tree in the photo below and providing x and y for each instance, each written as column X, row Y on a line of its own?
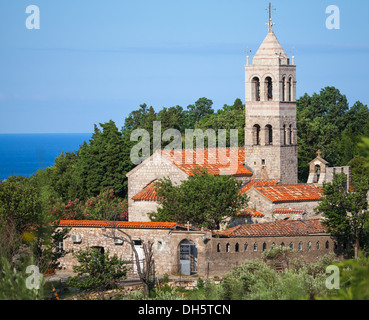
column 97, row 271
column 20, row 202
column 203, row 199
column 346, row 211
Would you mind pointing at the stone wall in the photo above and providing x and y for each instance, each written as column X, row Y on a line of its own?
column 219, row 263
column 211, row 259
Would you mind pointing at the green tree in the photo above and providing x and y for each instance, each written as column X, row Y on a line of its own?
column 203, row 199
column 346, row 211
column 97, row 271
column 20, row 203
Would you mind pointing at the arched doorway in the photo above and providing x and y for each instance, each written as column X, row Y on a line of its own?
column 187, row 257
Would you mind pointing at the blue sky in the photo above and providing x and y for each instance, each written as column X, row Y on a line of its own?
column 92, row 61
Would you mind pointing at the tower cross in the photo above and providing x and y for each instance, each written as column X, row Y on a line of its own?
column 270, row 24
column 247, row 51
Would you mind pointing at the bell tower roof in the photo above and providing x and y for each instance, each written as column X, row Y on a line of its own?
column 270, row 52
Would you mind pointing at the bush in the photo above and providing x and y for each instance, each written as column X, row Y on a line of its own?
column 97, row 271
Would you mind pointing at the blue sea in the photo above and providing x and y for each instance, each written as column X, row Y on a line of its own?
column 24, row 154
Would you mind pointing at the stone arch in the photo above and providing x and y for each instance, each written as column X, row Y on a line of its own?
column 268, row 134
column 256, row 134
column 284, row 87
column 289, row 88
column 268, row 88
column 255, row 88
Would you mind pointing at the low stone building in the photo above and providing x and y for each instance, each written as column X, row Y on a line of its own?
column 189, row 250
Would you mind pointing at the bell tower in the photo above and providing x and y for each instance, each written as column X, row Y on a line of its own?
column 270, row 130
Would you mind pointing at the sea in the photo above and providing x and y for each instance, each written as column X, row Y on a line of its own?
column 24, row 154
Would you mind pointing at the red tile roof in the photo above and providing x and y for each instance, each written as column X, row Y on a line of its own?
column 250, row 213
column 147, row 194
column 120, row 224
column 211, row 159
column 291, row 192
column 277, row 228
column 258, row 183
column 288, row 211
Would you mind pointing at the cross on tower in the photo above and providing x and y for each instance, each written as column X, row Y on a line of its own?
column 247, row 52
column 293, row 51
column 270, row 24
column 319, row 153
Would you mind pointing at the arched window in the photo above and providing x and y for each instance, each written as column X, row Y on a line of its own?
column 317, row 173
column 289, row 91
column 218, row 247
column 318, row 245
column 255, row 247
column 309, row 245
column 290, row 133
column 246, row 248
column 284, row 135
column 255, row 88
column 284, row 89
column 300, row 246
column 269, row 134
column 264, row 246
column 327, row 245
column 291, row 245
column 228, row 247
column 237, row 247
column 269, row 88
column 256, row 134
column 282, row 244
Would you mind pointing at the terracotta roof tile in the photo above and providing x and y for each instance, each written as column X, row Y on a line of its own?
column 277, row 228
column 250, row 213
column 120, row 224
column 258, row 183
column 288, row 211
column 147, row 194
column 211, row 159
column 291, row 193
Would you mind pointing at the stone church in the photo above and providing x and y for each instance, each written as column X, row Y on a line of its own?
column 266, row 165
column 280, row 210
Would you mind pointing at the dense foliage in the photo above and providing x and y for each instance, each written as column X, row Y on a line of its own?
column 96, row 270
column 203, row 199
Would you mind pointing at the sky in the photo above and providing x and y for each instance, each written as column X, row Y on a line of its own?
column 98, row 60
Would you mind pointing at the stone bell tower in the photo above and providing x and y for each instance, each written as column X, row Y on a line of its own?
column 270, row 131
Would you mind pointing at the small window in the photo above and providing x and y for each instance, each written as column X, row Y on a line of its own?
column 318, row 245
column 263, row 162
column 237, row 247
column 255, row 247
column 282, row 244
column 291, row 245
column 246, row 247
column 300, row 246
column 269, row 135
column 256, row 134
column 327, row 245
column 264, row 246
column 218, row 247
column 228, row 247
column 309, row 246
